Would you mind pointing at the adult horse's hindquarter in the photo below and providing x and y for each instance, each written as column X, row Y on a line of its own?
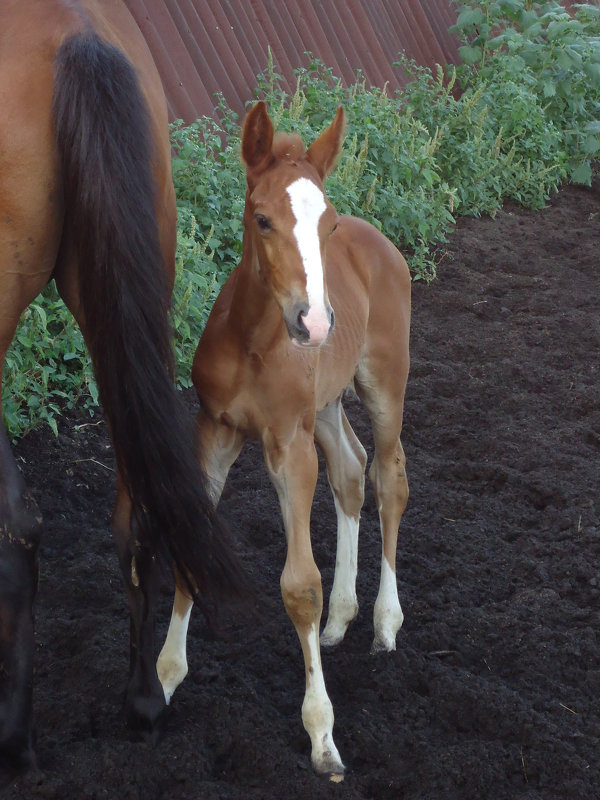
column 317, row 302
column 86, row 197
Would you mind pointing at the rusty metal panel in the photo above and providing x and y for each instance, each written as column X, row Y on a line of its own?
column 206, row 46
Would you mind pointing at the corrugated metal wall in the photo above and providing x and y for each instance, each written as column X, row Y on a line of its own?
column 205, row 46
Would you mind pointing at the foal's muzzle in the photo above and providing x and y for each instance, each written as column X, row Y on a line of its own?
column 308, row 326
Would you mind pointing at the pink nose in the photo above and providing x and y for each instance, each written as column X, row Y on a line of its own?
column 318, row 324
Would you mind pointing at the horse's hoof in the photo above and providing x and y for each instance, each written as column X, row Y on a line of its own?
column 331, row 638
column 333, row 772
column 171, row 673
column 337, row 625
column 146, row 716
column 383, row 644
column 329, row 764
column 387, row 621
column 17, row 755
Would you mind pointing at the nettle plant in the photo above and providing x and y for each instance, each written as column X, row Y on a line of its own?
column 520, row 114
column 493, row 140
column 197, row 284
column 554, row 52
column 47, row 367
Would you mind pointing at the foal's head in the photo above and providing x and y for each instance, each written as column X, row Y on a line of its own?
column 290, row 219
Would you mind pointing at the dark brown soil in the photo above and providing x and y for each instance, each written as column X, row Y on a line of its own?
column 494, row 691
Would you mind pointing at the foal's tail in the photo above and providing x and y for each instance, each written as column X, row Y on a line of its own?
column 102, row 128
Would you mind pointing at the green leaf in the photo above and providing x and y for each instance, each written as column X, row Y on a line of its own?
column 41, row 314
column 582, row 174
column 513, row 6
column 587, row 8
column 469, row 17
column 93, row 390
column 591, row 145
column 470, row 54
column 593, row 73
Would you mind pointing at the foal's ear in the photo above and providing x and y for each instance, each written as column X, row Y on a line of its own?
column 324, row 151
column 257, row 139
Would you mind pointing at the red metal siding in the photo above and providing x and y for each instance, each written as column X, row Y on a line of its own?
column 205, row 46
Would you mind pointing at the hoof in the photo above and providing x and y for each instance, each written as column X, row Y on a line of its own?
column 335, row 629
column 387, row 621
column 171, row 673
column 383, row 644
column 145, row 716
column 17, row 755
column 331, row 769
column 326, row 760
column 332, row 636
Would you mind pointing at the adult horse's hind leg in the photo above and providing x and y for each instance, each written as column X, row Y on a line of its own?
column 29, row 234
column 381, row 388
column 346, row 461
column 144, row 699
column 20, row 527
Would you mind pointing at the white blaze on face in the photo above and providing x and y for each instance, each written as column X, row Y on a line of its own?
column 308, row 204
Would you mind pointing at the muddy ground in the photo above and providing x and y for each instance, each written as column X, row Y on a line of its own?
column 494, row 690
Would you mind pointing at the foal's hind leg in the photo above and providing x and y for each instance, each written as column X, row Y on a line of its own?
column 346, row 462
column 219, row 446
column 382, row 391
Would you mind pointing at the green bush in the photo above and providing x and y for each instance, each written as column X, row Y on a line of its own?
column 493, row 140
column 517, row 116
column 555, row 53
column 46, row 368
column 196, row 287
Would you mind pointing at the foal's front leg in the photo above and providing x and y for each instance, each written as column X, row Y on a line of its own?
column 218, row 447
column 293, row 470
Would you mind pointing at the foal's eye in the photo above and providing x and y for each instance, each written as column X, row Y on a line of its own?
column 334, row 227
column 263, row 223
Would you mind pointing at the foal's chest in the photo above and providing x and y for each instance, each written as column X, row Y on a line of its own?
column 259, row 390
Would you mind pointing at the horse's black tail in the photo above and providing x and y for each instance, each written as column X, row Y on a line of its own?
column 104, row 145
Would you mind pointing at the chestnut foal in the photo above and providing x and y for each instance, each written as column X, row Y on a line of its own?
column 272, row 366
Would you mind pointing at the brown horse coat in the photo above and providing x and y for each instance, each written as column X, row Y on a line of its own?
column 86, row 198
column 317, row 303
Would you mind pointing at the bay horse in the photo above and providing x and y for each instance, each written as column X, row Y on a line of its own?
column 87, row 198
column 273, row 363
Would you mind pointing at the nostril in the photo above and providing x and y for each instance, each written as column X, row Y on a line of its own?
column 301, row 311
column 331, row 319
column 296, row 325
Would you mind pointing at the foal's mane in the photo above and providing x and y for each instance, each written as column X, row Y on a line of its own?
column 288, row 146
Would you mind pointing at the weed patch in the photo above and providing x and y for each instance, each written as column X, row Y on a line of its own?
column 520, row 114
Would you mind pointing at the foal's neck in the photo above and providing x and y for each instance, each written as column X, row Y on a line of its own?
column 254, row 312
